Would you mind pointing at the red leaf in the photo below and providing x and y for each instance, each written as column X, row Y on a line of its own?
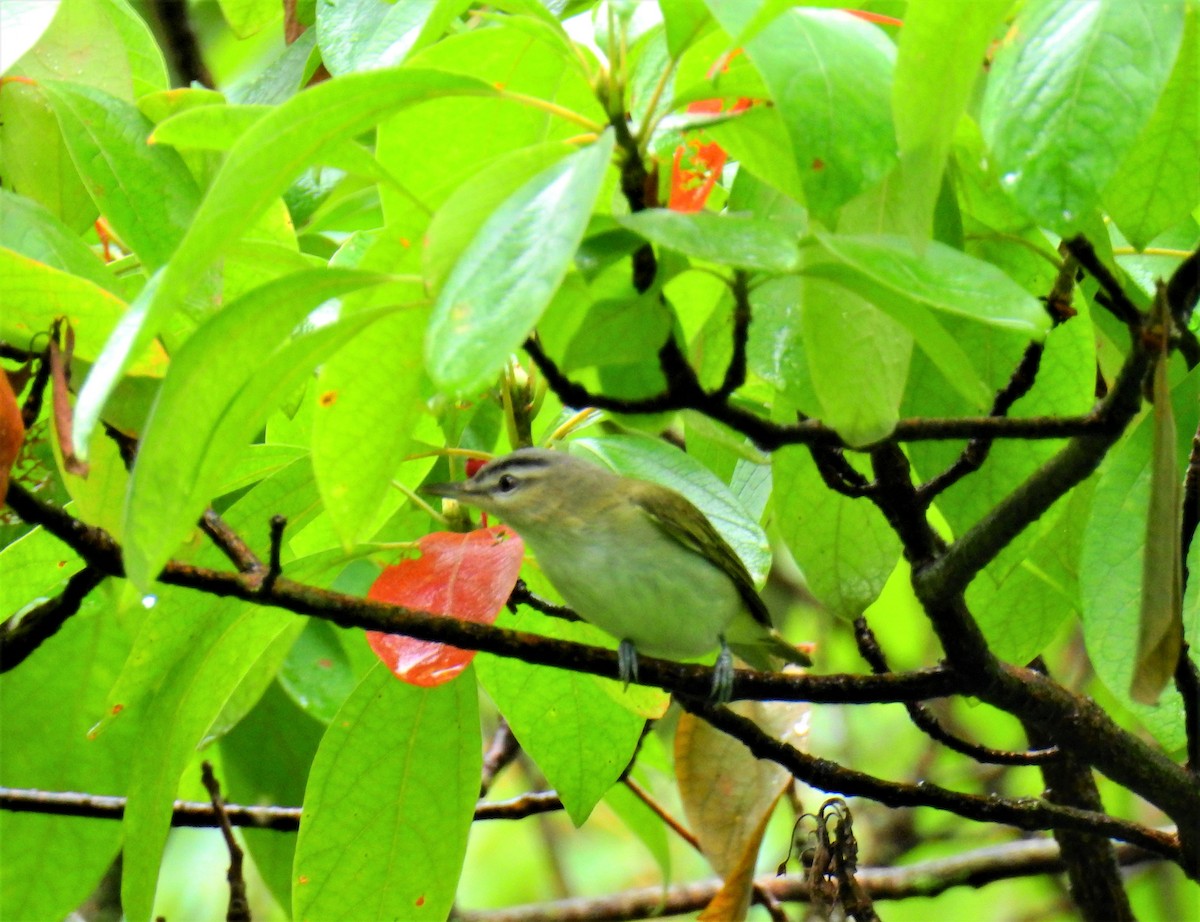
column 466, row 576
column 12, row 431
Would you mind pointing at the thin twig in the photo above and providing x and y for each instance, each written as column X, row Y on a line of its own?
column 275, row 567
column 925, row 720
column 191, row 814
column 229, row 542
column 239, row 903
column 21, row 636
column 977, row 868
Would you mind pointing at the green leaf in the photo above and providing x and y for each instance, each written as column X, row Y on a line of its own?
column 266, row 759
column 29, row 229
column 857, row 358
column 939, row 60
column 393, row 785
column 652, row 459
column 368, row 406
column 357, row 35
column 205, row 411
column 725, row 239
column 102, row 39
column 214, row 127
column 580, row 738
column 844, row 546
column 1158, row 185
column 1056, row 135
column 1112, row 567
column 145, row 192
column 503, row 281
column 46, row 709
column 34, row 294
column 248, row 17
column 175, row 720
column 471, row 204
column 258, row 169
column 941, row 278
column 685, row 21
column 830, row 76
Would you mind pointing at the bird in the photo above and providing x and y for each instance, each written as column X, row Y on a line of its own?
column 634, row 558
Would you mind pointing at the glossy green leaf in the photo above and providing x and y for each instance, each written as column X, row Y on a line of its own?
column 258, row 169
column 503, row 281
column 857, row 357
column 657, row 461
column 393, row 785
column 1158, row 183
column 754, row 138
column 146, row 193
column 356, row 35
column 939, row 60
column 368, row 403
column 844, row 546
column 1068, row 94
column 46, row 709
column 728, row 240
column 193, row 431
column 830, row 77
column 580, row 738
column 941, row 278
column 471, row 204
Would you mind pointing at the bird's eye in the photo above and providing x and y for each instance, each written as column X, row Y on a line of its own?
column 507, row 483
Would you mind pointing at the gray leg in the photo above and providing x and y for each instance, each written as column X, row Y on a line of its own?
column 722, row 687
column 627, row 662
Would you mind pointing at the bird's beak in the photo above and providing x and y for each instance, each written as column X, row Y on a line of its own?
column 448, row 490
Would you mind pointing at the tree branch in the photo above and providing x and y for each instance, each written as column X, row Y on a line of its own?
column 98, row 548
column 977, row 868
column 20, row 637
column 1023, row 813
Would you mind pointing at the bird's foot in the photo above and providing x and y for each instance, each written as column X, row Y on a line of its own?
column 627, row 665
column 722, row 686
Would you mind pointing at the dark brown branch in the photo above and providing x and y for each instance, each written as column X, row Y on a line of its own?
column 1093, row 875
column 229, row 543
column 502, row 750
column 925, row 720
column 1023, row 813
column 769, row 436
column 239, row 903
column 1025, row 858
column 735, row 373
column 977, row 450
column 1117, row 301
column 31, row 409
column 181, row 43
column 193, row 815
column 275, row 566
column 20, row 637
column 951, row 574
column 98, row 548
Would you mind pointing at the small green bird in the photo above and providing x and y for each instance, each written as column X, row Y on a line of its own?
column 634, row 558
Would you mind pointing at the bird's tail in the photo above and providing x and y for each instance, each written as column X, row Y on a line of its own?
column 767, row 650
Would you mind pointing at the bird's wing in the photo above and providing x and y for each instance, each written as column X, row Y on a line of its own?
column 676, row 516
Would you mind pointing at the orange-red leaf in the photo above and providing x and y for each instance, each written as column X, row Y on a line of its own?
column 12, row 431
column 466, row 576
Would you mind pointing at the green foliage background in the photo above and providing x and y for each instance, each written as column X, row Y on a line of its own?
column 320, row 281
